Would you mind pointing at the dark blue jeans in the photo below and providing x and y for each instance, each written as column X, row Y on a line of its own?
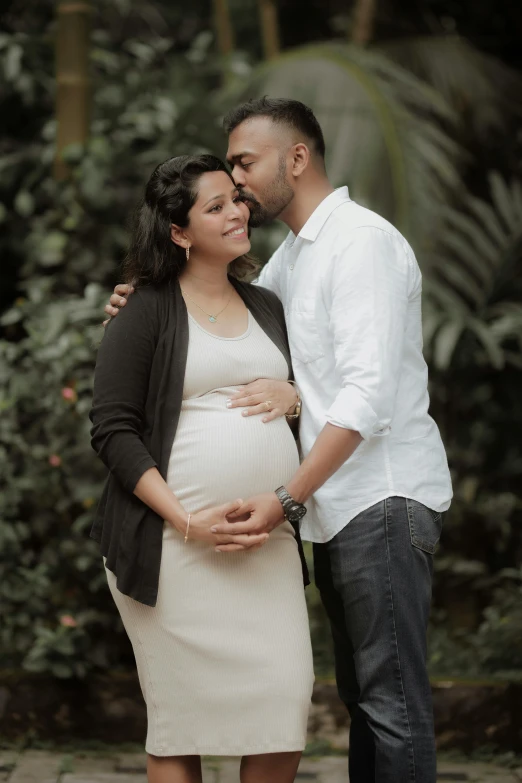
column 375, row 582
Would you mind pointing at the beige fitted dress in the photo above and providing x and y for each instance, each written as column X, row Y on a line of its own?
column 224, row 658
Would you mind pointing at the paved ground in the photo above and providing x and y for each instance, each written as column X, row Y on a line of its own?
column 38, row 766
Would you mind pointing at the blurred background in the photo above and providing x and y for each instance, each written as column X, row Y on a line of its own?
column 421, row 104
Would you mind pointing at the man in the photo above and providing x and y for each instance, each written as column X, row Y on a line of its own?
column 374, row 473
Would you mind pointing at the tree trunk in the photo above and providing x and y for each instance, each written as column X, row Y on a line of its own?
column 363, row 21
column 224, row 29
column 269, row 28
column 72, row 78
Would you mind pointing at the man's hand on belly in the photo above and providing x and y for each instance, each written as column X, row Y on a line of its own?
column 264, row 514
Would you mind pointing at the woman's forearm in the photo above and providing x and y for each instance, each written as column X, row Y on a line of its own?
column 153, row 490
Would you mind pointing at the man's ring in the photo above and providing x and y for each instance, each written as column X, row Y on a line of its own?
column 267, row 404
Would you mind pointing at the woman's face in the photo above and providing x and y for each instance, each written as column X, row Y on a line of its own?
column 218, row 220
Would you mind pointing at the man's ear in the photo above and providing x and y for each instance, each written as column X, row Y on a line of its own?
column 300, row 159
column 178, row 236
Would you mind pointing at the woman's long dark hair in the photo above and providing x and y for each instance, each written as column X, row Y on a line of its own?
column 170, row 194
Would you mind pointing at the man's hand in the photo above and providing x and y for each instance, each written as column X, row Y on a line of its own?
column 265, row 513
column 281, row 395
column 117, row 301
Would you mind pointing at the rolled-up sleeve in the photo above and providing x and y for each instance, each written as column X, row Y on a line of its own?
column 121, row 381
column 369, row 284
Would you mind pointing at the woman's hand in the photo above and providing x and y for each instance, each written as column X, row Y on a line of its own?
column 202, row 522
column 280, row 395
column 117, row 301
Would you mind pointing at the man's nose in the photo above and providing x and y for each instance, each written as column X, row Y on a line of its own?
column 238, row 175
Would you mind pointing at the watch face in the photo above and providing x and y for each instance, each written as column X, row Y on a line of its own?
column 296, row 513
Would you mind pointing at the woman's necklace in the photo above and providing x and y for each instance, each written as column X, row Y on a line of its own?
column 211, row 318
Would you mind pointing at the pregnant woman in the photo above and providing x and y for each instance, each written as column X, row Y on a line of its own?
column 220, row 634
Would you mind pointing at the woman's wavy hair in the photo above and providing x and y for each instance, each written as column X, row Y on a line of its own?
column 171, row 192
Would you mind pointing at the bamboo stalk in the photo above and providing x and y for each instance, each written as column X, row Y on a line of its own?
column 72, row 79
column 269, row 28
column 224, row 29
column 363, row 21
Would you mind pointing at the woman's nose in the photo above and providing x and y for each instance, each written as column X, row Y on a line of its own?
column 235, row 211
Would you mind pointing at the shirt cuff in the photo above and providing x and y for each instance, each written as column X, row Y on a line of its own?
column 351, row 412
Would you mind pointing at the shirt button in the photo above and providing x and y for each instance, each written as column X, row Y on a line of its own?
column 291, row 267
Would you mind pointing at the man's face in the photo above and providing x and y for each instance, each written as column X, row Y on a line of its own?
column 257, row 154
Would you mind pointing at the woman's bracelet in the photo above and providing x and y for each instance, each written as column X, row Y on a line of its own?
column 187, row 530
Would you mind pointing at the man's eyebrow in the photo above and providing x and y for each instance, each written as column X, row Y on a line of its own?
column 221, row 195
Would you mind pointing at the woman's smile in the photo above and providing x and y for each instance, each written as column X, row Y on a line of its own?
column 237, row 233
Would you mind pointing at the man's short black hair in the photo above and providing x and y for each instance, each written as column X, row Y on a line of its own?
column 281, row 110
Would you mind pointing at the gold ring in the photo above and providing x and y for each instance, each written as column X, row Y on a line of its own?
column 268, row 403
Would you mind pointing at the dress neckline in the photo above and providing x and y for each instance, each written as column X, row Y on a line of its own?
column 217, row 336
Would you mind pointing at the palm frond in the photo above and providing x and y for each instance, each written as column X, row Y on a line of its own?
column 384, row 128
column 481, row 89
column 472, row 281
column 447, row 338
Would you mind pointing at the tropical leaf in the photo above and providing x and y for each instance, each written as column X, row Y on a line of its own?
column 472, row 280
column 481, row 89
column 446, row 342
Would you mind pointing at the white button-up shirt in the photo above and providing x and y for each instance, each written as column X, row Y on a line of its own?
column 351, row 290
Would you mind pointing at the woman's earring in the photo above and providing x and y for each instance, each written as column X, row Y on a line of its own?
column 187, row 252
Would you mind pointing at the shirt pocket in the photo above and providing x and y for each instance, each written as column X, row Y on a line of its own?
column 303, row 335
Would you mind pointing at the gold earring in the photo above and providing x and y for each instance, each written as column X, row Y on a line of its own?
column 187, row 252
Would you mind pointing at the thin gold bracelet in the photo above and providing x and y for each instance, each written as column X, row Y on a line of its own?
column 187, row 530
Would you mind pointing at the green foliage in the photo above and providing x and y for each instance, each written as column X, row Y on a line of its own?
column 396, row 134
column 50, row 482
column 495, row 649
column 68, row 238
column 473, row 340
column 473, row 289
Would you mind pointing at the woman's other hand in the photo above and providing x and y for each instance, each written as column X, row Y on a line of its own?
column 202, row 522
column 117, row 301
column 265, row 396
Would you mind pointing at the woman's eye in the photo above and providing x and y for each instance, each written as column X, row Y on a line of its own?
column 245, row 165
column 237, row 200
column 218, row 206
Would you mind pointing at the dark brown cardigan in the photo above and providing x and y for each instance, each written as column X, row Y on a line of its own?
column 138, row 391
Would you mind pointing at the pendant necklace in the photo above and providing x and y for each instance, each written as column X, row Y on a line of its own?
column 211, row 318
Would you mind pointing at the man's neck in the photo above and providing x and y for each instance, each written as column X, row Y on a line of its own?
column 306, row 200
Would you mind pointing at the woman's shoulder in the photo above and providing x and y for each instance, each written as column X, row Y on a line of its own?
column 154, row 299
column 150, row 294
column 146, row 308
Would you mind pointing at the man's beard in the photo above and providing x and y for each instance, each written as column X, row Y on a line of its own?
column 276, row 198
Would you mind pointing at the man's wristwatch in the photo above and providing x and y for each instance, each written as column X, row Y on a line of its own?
column 297, row 411
column 297, row 406
column 293, row 510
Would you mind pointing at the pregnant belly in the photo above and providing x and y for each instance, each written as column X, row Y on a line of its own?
column 218, row 455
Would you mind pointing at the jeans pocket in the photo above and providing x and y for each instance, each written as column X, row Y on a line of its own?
column 425, row 526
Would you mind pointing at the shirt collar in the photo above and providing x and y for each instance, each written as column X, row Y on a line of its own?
column 320, row 215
